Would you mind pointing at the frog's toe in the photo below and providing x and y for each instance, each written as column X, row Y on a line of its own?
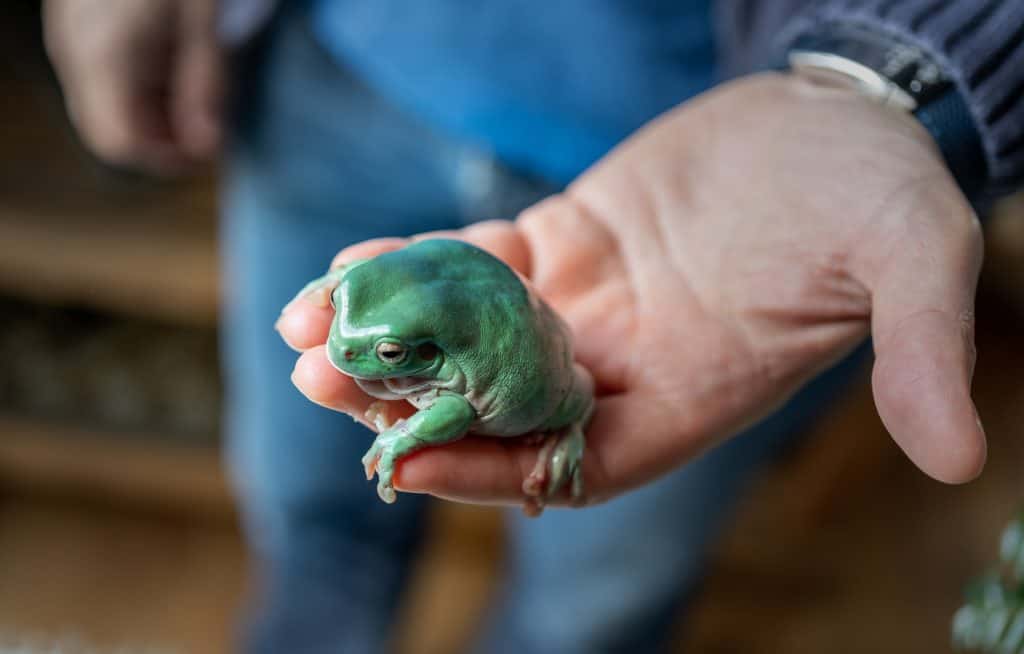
column 558, row 472
column 533, row 507
column 564, row 472
column 370, row 459
column 385, row 476
column 318, row 291
column 577, row 497
column 378, row 414
column 386, row 491
column 536, row 481
column 566, row 463
column 559, row 464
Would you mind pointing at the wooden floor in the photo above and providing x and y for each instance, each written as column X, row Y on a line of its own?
column 115, row 579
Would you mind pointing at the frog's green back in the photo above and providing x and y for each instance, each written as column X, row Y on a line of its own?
column 511, row 348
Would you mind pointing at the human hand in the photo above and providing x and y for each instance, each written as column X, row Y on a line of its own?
column 711, row 265
column 142, row 79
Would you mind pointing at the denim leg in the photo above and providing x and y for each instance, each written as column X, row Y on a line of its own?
column 332, row 556
column 613, row 578
column 317, row 162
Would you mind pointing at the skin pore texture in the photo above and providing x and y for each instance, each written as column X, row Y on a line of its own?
column 453, row 331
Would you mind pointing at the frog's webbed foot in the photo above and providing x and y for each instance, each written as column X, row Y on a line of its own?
column 443, row 421
column 559, row 462
column 379, row 415
column 387, row 448
column 318, row 291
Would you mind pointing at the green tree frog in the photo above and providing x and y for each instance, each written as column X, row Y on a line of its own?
column 458, row 334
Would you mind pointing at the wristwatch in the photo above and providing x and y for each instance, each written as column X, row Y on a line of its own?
column 903, row 76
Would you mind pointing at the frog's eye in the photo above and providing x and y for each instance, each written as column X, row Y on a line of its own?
column 330, row 297
column 391, row 353
column 427, row 351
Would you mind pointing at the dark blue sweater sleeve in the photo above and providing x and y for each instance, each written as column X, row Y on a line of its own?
column 980, row 43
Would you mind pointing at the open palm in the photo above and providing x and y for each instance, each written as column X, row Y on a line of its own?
column 711, row 265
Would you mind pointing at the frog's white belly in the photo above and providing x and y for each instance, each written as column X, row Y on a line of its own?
column 422, row 392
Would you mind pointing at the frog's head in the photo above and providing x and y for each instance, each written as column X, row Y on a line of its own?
column 383, row 356
column 372, row 336
column 424, row 312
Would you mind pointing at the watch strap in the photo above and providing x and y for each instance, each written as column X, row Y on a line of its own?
column 949, row 121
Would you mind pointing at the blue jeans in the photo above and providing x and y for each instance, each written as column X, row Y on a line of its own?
column 320, row 161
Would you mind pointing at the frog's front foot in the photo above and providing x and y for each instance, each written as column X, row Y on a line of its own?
column 384, row 453
column 319, row 291
column 560, row 461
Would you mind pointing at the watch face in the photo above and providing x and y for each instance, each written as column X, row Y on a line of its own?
column 913, row 71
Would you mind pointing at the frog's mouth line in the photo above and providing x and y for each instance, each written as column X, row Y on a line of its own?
column 394, row 388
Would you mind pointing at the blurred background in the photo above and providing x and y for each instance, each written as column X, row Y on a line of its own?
column 118, row 531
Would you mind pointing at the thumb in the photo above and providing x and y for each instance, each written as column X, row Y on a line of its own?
column 199, row 78
column 923, row 331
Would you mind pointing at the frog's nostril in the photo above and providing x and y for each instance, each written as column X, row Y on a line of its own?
column 348, row 354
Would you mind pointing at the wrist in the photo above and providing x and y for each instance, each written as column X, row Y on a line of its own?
column 890, row 128
column 894, row 74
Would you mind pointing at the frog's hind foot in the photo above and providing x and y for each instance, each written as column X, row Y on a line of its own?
column 533, row 485
column 559, row 462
